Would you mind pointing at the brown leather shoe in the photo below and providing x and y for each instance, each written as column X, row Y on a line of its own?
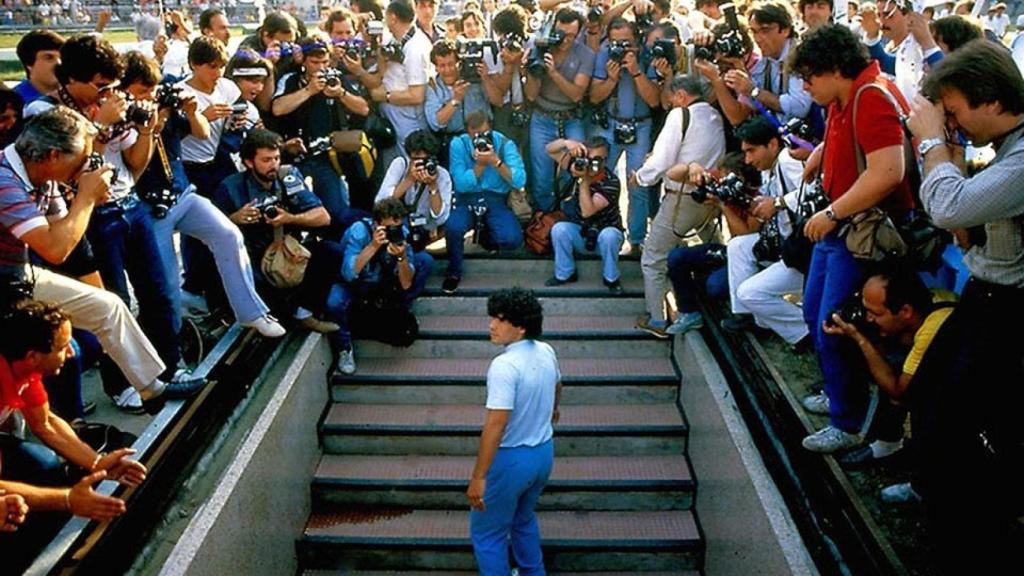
column 313, row 324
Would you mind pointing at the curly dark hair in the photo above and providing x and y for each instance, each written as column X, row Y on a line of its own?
column 422, row 141
column 756, row 130
column 519, row 307
column 83, row 57
column 831, row 48
column 258, row 139
column 443, row 48
column 30, row 326
column 389, row 208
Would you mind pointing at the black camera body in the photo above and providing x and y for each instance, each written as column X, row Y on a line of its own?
column 520, row 116
column 812, row 200
column 315, row 148
column 95, row 161
column 586, row 164
column 730, row 189
column 729, row 44
column 429, row 164
column 852, row 311
column 331, row 76
column 160, row 200
column 268, row 206
column 541, row 46
column 483, row 142
column 356, row 49
column 395, row 233
column 664, row 48
column 168, row 96
column 590, row 233
column 595, row 14
column 625, row 133
column 136, row 114
column 513, row 42
column 418, row 236
column 392, row 52
column 800, row 129
column 599, row 117
column 617, row 50
column 471, row 55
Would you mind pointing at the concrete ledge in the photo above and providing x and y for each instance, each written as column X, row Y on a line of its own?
column 249, row 522
column 747, row 527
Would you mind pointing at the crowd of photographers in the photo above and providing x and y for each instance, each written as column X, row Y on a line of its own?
column 853, row 153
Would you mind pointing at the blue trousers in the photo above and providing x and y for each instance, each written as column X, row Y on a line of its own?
column 503, row 230
column 343, row 294
column 834, row 274
column 567, row 238
column 65, row 389
column 643, row 200
column 124, row 241
column 327, row 185
column 514, row 483
column 544, row 129
column 683, row 262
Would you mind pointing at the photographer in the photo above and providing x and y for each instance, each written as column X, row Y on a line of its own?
column 486, row 167
column 267, row 197
column 54, row 147
column 422, row 184
column 176, row 207
column 592, row 218
column 741, row 56
column 693, row 132
column 975, row 373
column 214, row 22
column 275, row 41
column 312, row 105
column 623, row 92
column 251, row 73
column 121, row 231
column 394, row 276
column 505, row 88
column 450, row 97
column 835, row 65
column 558, row 78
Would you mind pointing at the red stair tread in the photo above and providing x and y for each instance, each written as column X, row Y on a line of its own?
column 461, row 415
column 536, row 282
column 590, row 468
column 676, row 525
column 465, row 367
column 552, row 324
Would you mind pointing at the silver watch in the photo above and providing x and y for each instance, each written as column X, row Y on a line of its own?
column 928, row 144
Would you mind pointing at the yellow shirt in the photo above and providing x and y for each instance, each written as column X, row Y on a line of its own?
column 929, row 328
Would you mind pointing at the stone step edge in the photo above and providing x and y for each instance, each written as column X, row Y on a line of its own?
column 560, row 431
column 438, row 379
column 424, row 485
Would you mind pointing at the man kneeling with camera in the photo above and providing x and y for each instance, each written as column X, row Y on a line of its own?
column 423, row 185
column 380, row 271
column 591, row 207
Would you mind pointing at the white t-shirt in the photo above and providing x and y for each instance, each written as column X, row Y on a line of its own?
column 416, row 70
column 523, row 379
column 193, row 149
column 176, row 60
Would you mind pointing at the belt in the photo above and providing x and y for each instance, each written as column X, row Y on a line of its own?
column 633, row 119
column 556, row 114
column 122, row 204
column 194, row 165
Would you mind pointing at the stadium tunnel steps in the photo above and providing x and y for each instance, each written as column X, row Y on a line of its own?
column 401, row 434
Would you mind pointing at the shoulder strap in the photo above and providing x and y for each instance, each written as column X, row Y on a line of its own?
column 908, row 146
column 686, row 123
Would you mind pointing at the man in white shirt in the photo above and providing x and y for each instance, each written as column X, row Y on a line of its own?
column 692, row 133
column 421, row 183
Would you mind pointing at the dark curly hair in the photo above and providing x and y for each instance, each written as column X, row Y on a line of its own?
column 519, row 307
column 30, row 326
column 389, row 208
column 257, row 139
column 756, row 130
column 831, row 48
column 422, row 141
column 83, row 57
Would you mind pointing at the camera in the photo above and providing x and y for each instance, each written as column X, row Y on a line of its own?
column 478, row 208
column 644, row 22
column 542, row 44
column 471, row 54
column 170, row 28
column 617, row 50
column 268, row 206
column 160, row 200
column 595, row 14
column 94, row 162
column 798, row 128
column 625, row 133
column 599, row 117
column 812, row 200
column 394, row 233
column 288, row 49
column 375, row 29
column 730, row 189
column 483, row 142
column 520, row 116
column 664, row 48
column 513, row 42
column 331, row 77
column 239, row 108
column 168, row 96
column 590, row 234
column 137, row 114
column 392, row 52
column 716, row 256
column 586, row 164
column 729, row 44
column 429, row 164
column 418, row 235
column 314, row 148
column 356, row 49
column 852, row 311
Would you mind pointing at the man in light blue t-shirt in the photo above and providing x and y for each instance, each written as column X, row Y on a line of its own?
column 516, row 451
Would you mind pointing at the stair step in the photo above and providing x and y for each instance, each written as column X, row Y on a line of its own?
column 406, row 369
column 648, row 347
column 439, row 540
column 339, row 572
column 568, row 327
column 576, row 483
column 553, row 306
column 428, row 392
column 454, row 429
column 543, row 268
column 485, row 284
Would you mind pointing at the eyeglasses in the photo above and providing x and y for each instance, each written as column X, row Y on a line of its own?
column 105, row 88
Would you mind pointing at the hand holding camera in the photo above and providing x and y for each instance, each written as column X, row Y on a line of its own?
column 94, row 184
column 316, row 84
column 614, row 70
column 549, row 63
column 215, row 112
column 277, row 216
column 763, row 207
column 459, row 90
column 927, row 119
column 630, row 63
column 739, row 81
column 379, row 238
column 113, row 109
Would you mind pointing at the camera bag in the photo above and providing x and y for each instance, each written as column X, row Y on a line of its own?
column 285, row 260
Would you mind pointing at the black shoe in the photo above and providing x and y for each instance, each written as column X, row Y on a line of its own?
column 863, row 457
column 554, row 281
column 450, row 284
column 738, row 323
column 803, row 346
column 183, row 388
column 88, row 408
column 615, row 287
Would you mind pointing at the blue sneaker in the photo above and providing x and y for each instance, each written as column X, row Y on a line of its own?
column 686, row 322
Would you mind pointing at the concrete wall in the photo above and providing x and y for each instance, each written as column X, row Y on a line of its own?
column 249, row 524
column 746, row 525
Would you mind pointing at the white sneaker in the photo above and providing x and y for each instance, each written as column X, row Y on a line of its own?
column 267, row 326
column 900, row 494
column 831, row 439
column 128, row 401
column 346, row 362
column 193, row 304
column 817, row 404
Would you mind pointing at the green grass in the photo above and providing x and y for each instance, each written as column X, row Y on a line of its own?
column 11, row 70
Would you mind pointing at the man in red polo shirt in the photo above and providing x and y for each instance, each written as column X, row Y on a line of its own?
column 35, row 341
column 835, row 66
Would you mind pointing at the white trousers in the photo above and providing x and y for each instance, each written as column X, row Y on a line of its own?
column 760, row 292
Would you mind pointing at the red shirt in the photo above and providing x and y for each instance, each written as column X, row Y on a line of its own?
column 19, row 394
column 878, row 126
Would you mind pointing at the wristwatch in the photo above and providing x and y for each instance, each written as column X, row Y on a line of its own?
column 387, row 96
column 928, row 144
column 830, row 214
column 754, row 93
column 454, row 103
column 779, row 203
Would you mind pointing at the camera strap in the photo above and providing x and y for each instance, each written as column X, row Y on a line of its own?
column 158, row 142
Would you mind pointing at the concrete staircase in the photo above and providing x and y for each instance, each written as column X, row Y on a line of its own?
column 400, row 438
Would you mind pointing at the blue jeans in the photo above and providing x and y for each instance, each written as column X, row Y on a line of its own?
column 502, row 228
column 327, row 185
column 544, row 129
column 31, row 462
column 124, row 241
column 65, row 389
column 834, row 274
column 567, row 238
column 683, row 263
column 643, row 200
column 514, row 483
column 196, row 217
column 343, row 294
